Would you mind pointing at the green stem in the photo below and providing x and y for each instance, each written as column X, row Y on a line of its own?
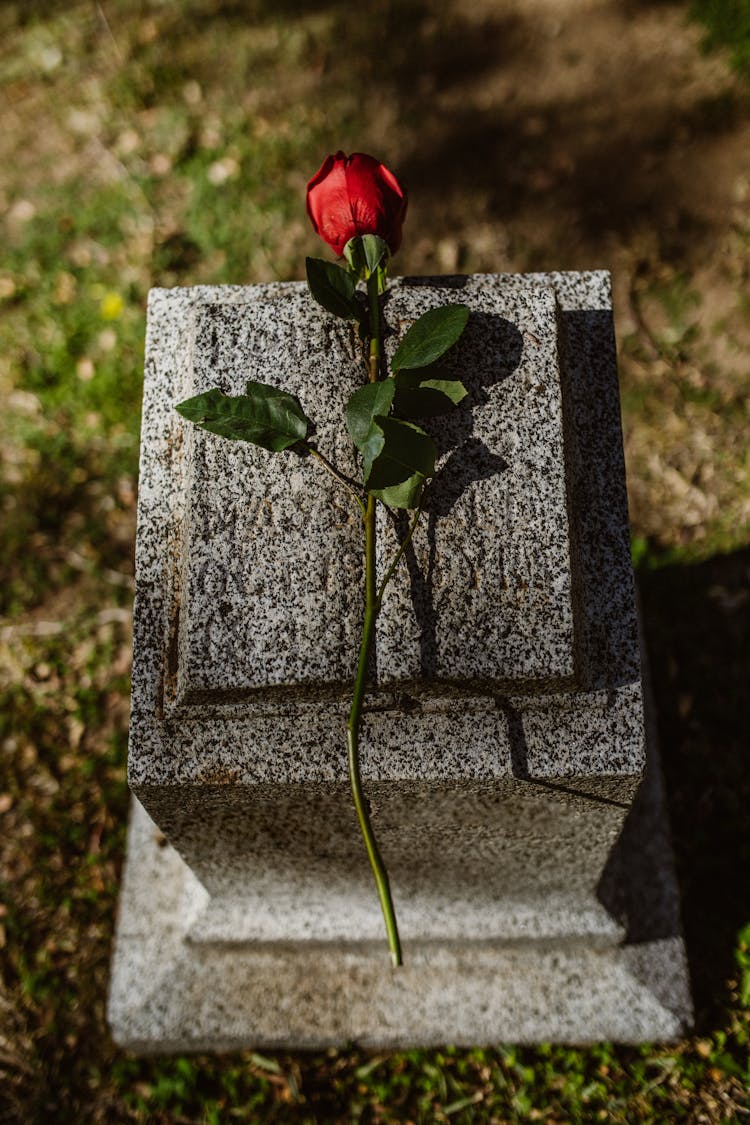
column 372, row 605
column 397, row 557
column 352, row 739
column 372, row 294
column 336, row 475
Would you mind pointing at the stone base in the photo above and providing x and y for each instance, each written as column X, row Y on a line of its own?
column 179, row 986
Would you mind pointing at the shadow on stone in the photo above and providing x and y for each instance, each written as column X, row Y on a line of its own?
column 696, row 622
column 465, row 459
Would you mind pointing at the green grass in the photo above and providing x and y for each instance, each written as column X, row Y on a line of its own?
column 728, row 25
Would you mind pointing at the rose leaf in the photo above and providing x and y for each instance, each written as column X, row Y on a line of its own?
column 264, row 416
column 365, row 403
column 425, row 392
column 407, row 454
column 430, row 337
column 333, row 288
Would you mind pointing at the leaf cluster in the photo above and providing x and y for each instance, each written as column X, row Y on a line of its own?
column 334, row 287
column 398, row 456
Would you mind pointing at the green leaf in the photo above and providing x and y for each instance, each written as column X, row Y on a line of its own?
column 430, row 336
column 333, row 288
column 371, row 449
column 365, row 253
column 372, row 399
column 426, row 392
column 407, row 449
column 404, row 495
column 405, row 457
column 375, row 250
column 264, row 416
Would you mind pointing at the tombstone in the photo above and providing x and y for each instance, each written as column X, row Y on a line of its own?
column 514, row 793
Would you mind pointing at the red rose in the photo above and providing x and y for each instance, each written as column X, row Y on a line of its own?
column 353, row 195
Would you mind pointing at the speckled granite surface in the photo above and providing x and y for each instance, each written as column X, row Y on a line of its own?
column 271, row 553
column 486, row 596
column 186, row 981
column 504, row 744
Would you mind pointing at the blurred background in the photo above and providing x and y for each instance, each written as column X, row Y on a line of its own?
column 159, row 142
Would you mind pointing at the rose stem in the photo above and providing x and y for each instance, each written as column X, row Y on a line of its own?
column 352, row 740
column 372, row 293
column 372, row 605
column 402, row 548
column 313, row 452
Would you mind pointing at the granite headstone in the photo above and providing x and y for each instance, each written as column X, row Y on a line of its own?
column 504, row 748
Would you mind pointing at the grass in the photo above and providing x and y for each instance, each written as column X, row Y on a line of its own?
column 728, row 25
column 165, row 143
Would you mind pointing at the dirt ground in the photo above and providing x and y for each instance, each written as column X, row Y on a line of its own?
column 575, row 134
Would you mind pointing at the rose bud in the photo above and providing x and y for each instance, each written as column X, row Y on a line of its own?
column 355, row 195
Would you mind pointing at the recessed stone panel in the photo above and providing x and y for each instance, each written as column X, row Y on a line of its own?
column 486, row 595
column 272, row 553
